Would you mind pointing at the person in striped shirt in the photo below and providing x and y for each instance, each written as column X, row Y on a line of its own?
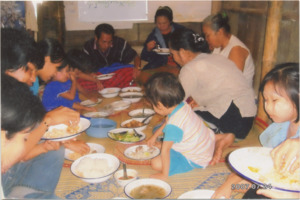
column 187, row 142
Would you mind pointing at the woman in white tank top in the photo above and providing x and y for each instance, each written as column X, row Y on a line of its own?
column 221, row 41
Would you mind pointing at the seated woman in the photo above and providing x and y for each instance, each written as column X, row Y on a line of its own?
column 21, row 112
column 217, row 33
column 159, row 37
column 222, row 93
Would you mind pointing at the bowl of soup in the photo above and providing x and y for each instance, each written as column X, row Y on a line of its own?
column 148, row 188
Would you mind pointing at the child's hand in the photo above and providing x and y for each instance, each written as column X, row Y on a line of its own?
column 91, row 109
column 287, row 155
column 159, row 176
column 151, row 142
column 99, row 85
column 72, row 77
column 77, row 146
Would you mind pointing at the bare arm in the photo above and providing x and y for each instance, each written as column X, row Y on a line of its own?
column 225, row 189
column 61, row 115
column 137, row 62
column 70, row 94
column 41, row 148
column 238, row 55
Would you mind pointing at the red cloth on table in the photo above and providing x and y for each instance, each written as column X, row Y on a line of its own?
column 121, row 79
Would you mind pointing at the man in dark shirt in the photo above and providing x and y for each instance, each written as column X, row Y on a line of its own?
column 106, row 48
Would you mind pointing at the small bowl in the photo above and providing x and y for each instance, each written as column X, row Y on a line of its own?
column 133, row 97
column 100, row 127
column 138, row 128
column 131, row 89
column 112, row 161
column 110, row 92
column 147, row 181
column 131, row 173
column 138, row 113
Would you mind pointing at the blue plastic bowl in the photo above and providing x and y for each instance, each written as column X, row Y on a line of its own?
column 100, row 126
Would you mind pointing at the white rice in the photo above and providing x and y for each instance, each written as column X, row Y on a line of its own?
column 93, row 167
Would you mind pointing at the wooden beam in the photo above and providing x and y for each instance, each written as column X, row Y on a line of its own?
column 216, row 6
column 270, row 47
column 248, row 10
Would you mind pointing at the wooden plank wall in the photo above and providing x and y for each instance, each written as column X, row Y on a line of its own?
column 248, row 22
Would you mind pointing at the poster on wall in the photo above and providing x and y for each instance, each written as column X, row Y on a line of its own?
column 13, row 14
column 93, row 11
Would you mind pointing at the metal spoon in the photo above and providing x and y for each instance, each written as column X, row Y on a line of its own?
column 144, row 120
column 125, row 177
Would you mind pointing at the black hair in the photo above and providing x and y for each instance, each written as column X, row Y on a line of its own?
column 189, row 40
column 63, row 65
column 165, row 11
column 285, row 76
column 52, row 48
column 20, row 109
column 104, row 28
column 218, row 21
column 78, row 59
column 17, row 49
column 164, row 87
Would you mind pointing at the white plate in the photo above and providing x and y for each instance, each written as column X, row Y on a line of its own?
column 147, row 181
column 197, row 194
column 90, row 103
column 110, row 92
column 131, row 89
column 133, row 97
column 96, row 114
column 118, row 130
column 162, row 51
column 135, row 113
column 93, row 147
column 83, row 125
column 120, row 105
column 105, row 76
column 128, row 152
column 256, row 165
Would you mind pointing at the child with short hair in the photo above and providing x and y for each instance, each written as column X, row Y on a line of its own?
column 83, row 69
column 187, row 142
column 62, row 91
column 280, row 90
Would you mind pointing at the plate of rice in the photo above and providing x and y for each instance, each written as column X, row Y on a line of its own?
column 95, row 168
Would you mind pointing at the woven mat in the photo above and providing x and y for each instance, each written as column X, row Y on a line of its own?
column 70, row 187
